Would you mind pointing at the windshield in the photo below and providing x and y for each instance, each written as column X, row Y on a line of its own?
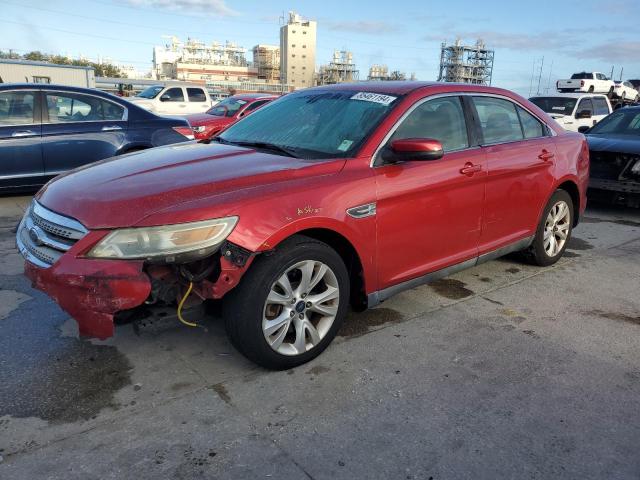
column 150, row 92
column 582, row 76
column 621, row 123
column 314, row 123
column 557, row 105
column 227, row 107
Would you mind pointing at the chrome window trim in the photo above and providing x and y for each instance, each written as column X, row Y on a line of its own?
column 395, row 126
column 125, row 115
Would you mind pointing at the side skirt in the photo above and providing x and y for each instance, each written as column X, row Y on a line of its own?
column 376, row 298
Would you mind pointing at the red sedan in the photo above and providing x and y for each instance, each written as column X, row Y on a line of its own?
column 329, row 197
column 209, row 124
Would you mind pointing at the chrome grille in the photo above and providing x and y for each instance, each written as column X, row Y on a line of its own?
column 43, row 236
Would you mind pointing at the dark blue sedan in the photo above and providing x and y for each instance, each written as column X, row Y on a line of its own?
column 48, row 129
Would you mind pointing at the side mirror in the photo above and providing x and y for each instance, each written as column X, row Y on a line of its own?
column 583, row 114
column 583, row 129
column 165, row 98
column 415, row 149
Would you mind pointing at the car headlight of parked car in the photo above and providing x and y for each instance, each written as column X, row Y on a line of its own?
column 636, row 168
column 165, row 243
column 199, row 129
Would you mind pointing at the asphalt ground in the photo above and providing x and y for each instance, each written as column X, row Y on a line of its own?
column 502, row 371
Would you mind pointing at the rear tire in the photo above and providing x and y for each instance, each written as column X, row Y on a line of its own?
column 610, row 94
column 554, row 230
column 274, row 319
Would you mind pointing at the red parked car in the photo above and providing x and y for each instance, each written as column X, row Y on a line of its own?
column 209, row 124
column 332, row 196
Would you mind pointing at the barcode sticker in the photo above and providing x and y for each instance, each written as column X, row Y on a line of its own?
column 374, row 97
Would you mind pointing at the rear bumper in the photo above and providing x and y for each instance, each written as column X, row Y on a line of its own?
column 92, row 291
column 614, row 185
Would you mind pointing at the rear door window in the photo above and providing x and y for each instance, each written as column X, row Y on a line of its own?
column 531, row 126
column 255, row 105
column 600, row 106
column 67, row 107
column 196, row 95
column 499, row 120
column 441, row 119
column 585, row 104
column 16, row 108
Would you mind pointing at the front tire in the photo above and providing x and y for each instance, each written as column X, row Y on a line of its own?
column 554, row 230
column 289, row 305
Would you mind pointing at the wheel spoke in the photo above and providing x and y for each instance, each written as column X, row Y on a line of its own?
column 329, row 294
column 278, row 298
column 272, row 326
column 307, row 271
column 277, row 342
column 327, row 310
column 300, row 343
column 314, row 336
column 318, row 276
column 285, row 284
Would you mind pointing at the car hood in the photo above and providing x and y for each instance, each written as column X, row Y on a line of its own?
column 614, row 143
column 206, row 119
column 124, row 191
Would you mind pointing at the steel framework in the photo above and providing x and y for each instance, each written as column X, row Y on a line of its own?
column 466, row 63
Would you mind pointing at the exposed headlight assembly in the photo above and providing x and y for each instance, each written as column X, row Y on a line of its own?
column 168, row 243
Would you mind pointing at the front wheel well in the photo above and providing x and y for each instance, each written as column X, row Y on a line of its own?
column 572, row 189
column 349, row 256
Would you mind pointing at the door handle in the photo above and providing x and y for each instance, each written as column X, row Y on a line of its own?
column 24, row 133
column 469, row 169
column 546, row 156
column 111, row 128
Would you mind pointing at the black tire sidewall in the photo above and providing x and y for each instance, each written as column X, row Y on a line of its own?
column 243, row 307
column 538, row 250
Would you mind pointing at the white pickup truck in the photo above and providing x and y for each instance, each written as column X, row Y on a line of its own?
column 575, row 111
column 174, row 99
column 591, row 82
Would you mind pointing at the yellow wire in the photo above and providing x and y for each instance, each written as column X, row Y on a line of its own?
column 189, row 324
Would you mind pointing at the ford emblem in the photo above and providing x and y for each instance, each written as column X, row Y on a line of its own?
column 34, row 235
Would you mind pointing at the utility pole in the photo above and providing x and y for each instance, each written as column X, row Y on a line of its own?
column 549, row 81
column 540, row 76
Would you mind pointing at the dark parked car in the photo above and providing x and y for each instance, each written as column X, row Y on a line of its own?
column 46, row 130
column 614, row 144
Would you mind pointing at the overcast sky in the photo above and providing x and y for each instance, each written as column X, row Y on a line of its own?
column 404, row 34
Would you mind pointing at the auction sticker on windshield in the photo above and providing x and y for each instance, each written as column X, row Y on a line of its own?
column 374, row 97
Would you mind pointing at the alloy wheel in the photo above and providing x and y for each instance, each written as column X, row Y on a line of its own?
column 557, row 228
column 301, row 307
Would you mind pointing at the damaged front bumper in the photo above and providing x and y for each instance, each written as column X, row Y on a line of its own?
column 94, row 291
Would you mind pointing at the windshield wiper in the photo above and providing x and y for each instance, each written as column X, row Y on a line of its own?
column 287, row 151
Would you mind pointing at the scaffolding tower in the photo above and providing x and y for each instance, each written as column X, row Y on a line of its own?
column 340, row 69
column 466, row 63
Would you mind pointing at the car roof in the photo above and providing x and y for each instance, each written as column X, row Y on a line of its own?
column 53, row 86
column 254, row 96
column 403, row 87
column 570, row 95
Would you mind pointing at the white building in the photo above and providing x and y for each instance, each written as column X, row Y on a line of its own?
column 199, row 62
column 298, row 51
column 25, row 71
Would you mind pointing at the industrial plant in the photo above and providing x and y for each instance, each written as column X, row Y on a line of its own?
column 466, row 63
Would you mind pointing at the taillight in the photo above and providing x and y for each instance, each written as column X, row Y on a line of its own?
column 185, row 131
